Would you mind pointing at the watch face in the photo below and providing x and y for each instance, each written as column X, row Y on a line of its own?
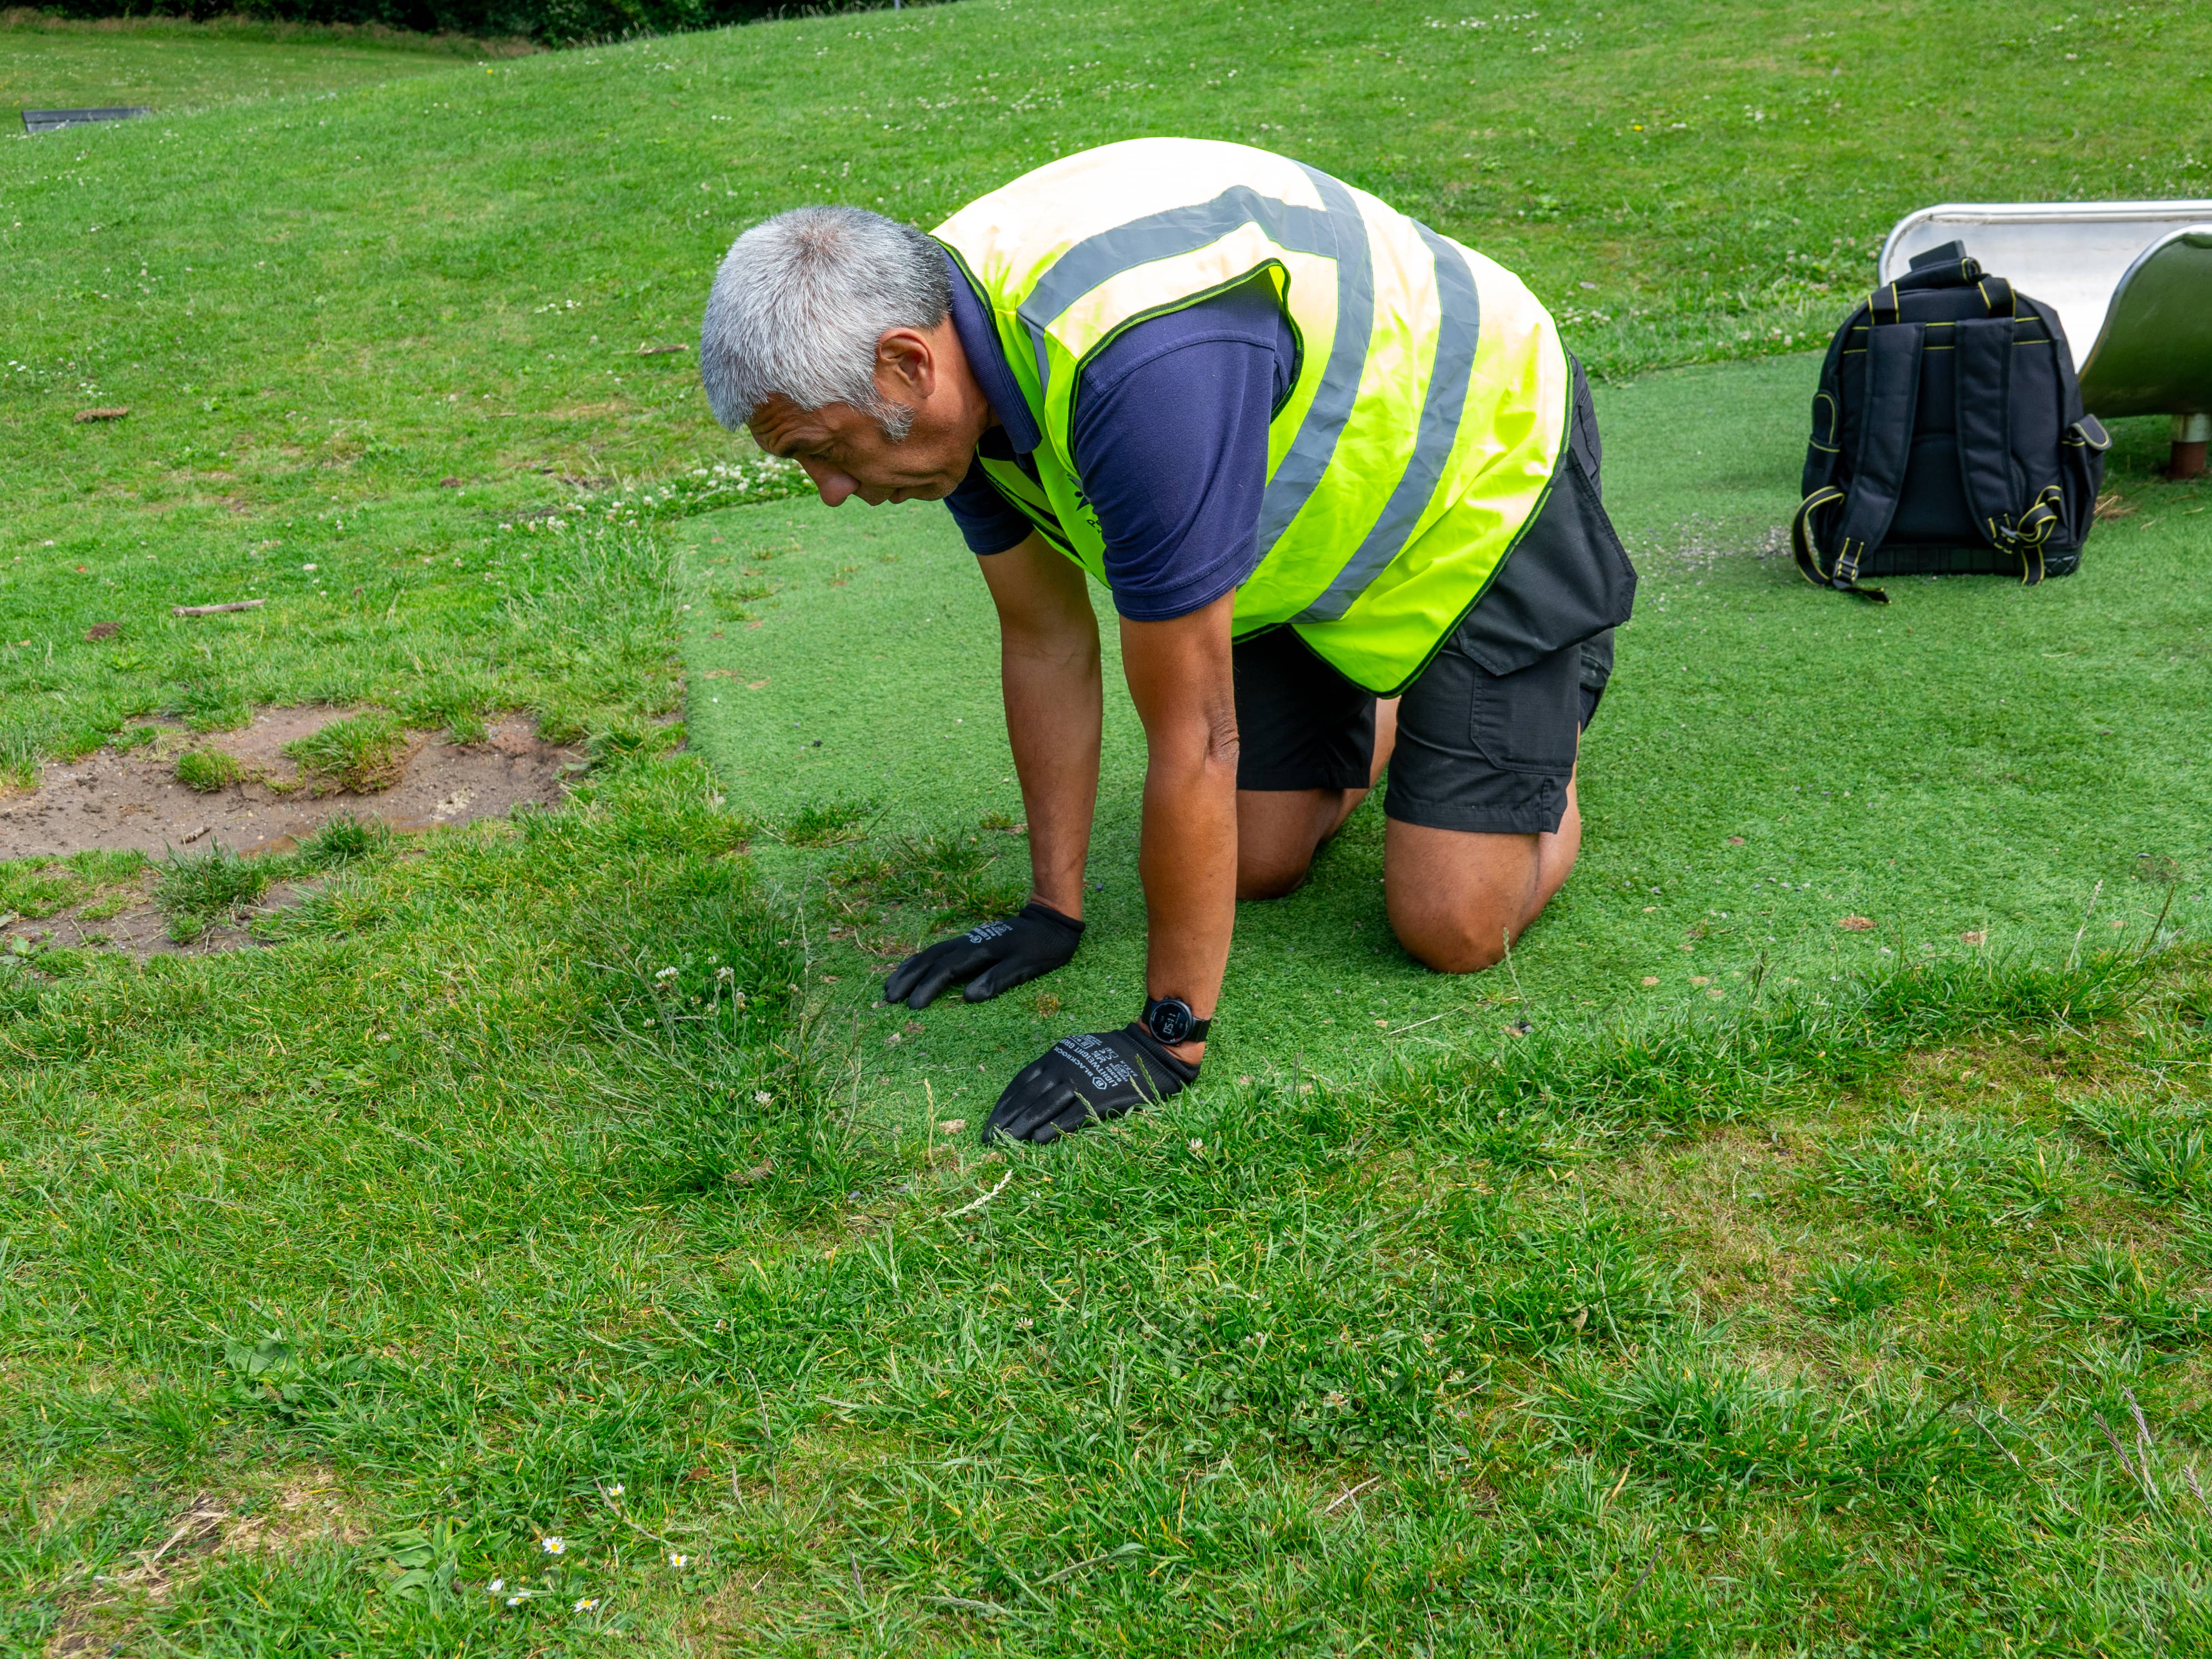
column 1171, row 1020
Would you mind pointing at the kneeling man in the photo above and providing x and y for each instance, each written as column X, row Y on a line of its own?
column 1341, row 481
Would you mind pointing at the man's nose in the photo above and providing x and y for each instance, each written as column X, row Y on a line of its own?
column 834, row 486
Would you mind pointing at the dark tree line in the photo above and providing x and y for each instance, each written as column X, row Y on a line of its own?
column 551, row 22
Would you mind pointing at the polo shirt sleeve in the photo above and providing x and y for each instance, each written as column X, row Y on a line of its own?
column 1170, row 440
column 989, row 522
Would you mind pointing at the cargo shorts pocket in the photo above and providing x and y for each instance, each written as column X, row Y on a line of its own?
column 1528, row 721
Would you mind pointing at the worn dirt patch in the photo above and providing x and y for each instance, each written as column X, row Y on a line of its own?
column 139, row 929
column 105, row 1612
column 132, row 802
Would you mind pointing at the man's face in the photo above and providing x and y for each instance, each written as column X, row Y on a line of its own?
column 845, row 452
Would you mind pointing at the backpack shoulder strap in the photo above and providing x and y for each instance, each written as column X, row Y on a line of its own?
column 1891, row 402
column 2062, row 355
column 1986, row 469
column 1989, row 379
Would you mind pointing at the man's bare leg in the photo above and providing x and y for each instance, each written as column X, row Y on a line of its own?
column 1279, row 830
column 1454, row 896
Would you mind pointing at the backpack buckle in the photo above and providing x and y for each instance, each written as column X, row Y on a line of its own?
column 2033, row 527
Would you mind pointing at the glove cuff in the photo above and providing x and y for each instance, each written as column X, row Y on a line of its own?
column 1035, row 911
column 1183, row 1071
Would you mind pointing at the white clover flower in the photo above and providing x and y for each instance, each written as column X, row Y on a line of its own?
column 1197, row 1145
column 726, row 973
column 665, row 972
column 554, row 1546
column 762, row 1096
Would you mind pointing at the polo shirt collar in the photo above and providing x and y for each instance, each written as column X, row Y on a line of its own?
column 986, row 360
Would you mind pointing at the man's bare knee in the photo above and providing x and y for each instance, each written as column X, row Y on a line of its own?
column 1455, row 897
column 1270, row 874
column 1448, row 943
column 1277, row 832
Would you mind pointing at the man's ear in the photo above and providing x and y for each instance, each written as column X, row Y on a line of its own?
column 906, row 363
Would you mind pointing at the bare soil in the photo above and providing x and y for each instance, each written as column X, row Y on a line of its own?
column 133, row 802
column 138, row 929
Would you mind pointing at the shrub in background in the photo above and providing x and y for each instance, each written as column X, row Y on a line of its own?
column 551, row 22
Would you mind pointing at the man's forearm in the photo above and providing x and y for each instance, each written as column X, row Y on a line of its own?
column 1188, row 858
column 1055, row 704
column 1050, row 672
column 1182, row 681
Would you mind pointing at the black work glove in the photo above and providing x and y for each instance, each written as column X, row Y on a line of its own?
column 994, row 958
column 1085, row 1079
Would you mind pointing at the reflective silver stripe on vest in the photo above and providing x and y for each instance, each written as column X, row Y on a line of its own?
column 1314, row 443
column 1459, row 328
column 1175, row 232
column 1334, row 231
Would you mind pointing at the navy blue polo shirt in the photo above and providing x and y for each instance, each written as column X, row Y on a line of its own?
column 1170, row 440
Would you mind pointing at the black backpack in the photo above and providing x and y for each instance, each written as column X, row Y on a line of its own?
column 1947, row 437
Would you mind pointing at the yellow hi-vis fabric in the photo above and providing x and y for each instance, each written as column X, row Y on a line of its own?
column 1431, row 405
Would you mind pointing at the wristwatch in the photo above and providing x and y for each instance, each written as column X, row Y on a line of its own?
column 1170, row 1020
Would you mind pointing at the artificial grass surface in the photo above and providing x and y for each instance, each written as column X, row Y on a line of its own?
column 1975, row 758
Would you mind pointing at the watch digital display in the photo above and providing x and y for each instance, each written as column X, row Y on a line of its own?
column 1170, row 1020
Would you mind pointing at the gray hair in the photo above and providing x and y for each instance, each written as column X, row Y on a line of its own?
column 800, row 304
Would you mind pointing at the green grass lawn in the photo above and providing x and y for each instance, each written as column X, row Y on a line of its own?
column 50, row 63
column 550, row 1181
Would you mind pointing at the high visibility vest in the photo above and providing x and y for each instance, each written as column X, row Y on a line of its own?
column 1428, row 412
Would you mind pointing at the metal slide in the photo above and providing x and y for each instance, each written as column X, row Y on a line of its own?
column 2133, row 278
column 53, row 120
